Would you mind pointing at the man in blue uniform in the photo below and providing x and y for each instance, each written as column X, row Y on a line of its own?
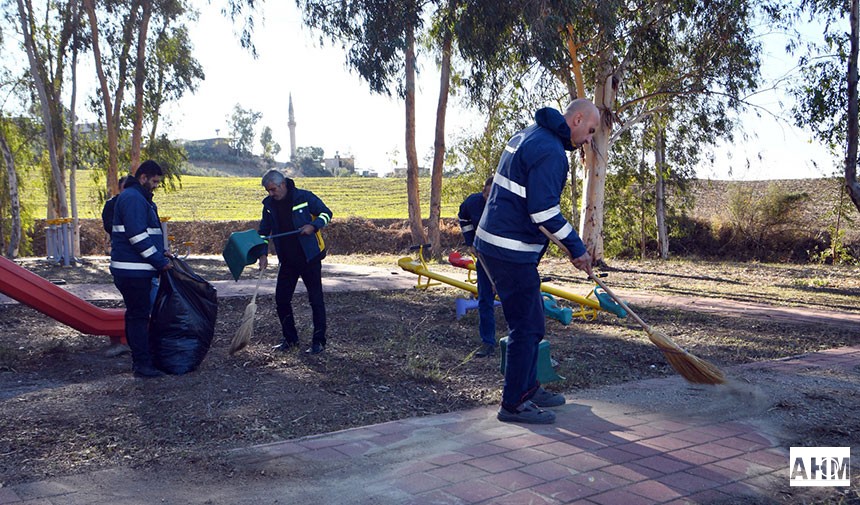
column 469, row 216
column 136, row 256
column 524, row 197
column 287, row 209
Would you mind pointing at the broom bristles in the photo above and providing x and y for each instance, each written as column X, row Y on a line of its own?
column 246, row 329
column 690, row 367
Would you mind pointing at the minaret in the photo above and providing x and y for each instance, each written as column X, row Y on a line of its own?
column 292, row 124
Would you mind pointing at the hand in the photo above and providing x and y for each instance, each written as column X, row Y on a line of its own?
column 308, row 229
column 264, row 262
column 168, row 266
column 583, row 263
column 168, row 254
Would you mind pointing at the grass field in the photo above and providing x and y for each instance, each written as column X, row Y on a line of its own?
column 238, row 198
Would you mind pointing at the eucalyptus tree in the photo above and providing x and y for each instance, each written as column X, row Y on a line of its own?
column 46, row 37
column 243, row 124
column 826, row 93
column 379, row 37
column 605, row 48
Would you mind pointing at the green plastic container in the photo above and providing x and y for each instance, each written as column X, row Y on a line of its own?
column 243, row 248
column 545, row 371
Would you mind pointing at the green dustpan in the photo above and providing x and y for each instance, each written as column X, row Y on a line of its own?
column 243, row 248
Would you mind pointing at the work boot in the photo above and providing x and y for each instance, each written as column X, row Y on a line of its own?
column 116, row 350
column 147, row 372
column 545, row 399
column 527, row 413
column 315, row 348
column 485, row 351
column 286, row 346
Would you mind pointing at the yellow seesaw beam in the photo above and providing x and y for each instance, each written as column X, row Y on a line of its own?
column 588, row 307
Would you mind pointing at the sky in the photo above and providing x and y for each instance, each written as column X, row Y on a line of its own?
column 335, row 110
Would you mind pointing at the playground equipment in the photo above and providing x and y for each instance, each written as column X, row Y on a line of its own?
column 564, row 315
column 462, row 305
column 588, row 307
column 545, row 371
column 170, row 241
column 245, row 247
column 58, row 241
column 55, row 302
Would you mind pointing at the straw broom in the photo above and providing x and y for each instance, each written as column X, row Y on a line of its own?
column 246, row 329
column 690, row 367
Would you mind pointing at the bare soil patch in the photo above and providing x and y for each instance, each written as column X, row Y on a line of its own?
column 67, row 409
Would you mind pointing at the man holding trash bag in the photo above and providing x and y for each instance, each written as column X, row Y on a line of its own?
column 290, row 209
column 137, row 255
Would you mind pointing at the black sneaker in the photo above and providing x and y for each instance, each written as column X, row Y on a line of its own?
column 315, row 348
column 147, row 372
column 485, row 351
column 527, row 413
column 285, row 346
column 545, row 399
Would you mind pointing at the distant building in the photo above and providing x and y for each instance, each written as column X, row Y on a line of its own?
column 401, row 172
column 340, row 165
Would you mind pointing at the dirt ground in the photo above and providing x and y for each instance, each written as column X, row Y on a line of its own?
column 67, row 409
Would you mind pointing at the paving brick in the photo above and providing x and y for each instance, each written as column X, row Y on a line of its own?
column 548, row 470
column 773, row 458
column 435, row 497
column 448, row 458
column 698, row 435
column 583, row 462
column 357, row 448
column 663, row 464
column 692, row 457
column 748, row 467
column 560, row 448
column 457, row 472
column 324, row 454
column 518, row 442
column 670, row 426
column 564, row 490
column 481, row 450
column 618, row 496
column 471, row 493
column 717, row 473
column 688, row 482
column 420, row 482
column 716, row 450
column 639, row 449
column 494, row 464
column 632, row 472
column 615, row 456
column 513, row 480
column 524, row 497
column 411, row 467
column 741, row 444
column 654, row 490
column 599, row 480
column 528, row 456
column 667, row 442
column 588, row 443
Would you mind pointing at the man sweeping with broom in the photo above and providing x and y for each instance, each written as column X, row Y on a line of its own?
column 525, row 195
column 290, row 209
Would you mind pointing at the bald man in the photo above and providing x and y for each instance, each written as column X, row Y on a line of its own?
column 525, row 196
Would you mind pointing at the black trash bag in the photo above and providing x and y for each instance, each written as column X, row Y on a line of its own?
column 183, row 319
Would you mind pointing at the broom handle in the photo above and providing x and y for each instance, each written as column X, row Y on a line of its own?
column 286, row 233
column 257, row 287
column 600, row 283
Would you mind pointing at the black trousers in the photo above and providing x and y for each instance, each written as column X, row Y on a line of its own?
column 288, row 277
column 136, row 294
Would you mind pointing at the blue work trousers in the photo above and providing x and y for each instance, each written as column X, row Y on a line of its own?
column 518, row 287
column 288, row 277
column 486, row 306
column 137, row 296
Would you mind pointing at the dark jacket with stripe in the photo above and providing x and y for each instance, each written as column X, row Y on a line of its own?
column 526, row 193
column 136, row 239
column 470, row 215
column 307, row 209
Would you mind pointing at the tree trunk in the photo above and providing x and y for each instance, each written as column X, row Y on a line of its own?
column 413, row 195
column 574, row 195
column 851, row 183
column 73, row 179
column 139, row 79
column 112, row 111
column 660, row 192
column 439, row 144
column 594, row 182
column 15, row 231
column 58, row 182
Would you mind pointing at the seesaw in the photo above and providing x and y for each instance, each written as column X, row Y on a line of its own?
column 588, row 307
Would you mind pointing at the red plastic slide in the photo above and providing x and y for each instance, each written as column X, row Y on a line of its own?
column 57, row 303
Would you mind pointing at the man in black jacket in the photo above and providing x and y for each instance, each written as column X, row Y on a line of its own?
column 289, row 209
